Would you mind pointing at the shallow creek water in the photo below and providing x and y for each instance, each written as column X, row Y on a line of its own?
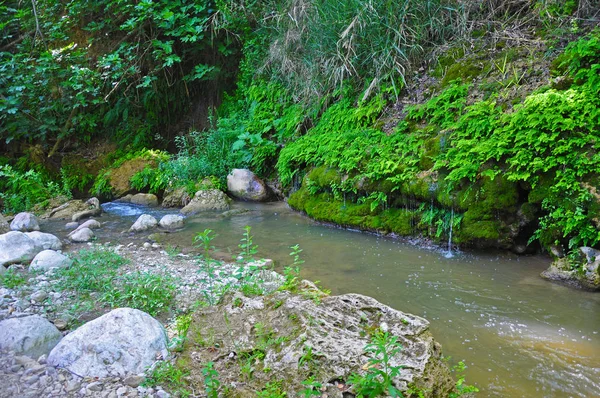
column 519, row 335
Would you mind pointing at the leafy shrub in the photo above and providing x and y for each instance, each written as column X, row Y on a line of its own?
column 21, row 191
column 12, row 279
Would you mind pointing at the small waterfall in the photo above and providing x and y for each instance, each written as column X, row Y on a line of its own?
column 449, row 253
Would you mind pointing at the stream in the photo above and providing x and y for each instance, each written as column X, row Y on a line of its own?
column 519, row 335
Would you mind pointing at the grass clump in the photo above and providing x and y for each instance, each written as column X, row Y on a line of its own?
column 12, row 279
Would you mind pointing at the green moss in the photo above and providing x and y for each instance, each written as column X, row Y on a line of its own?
column 324, row 177
column 465, row 71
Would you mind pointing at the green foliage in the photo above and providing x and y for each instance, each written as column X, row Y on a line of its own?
column 145, row 291
column 313, row 388
column 93, row 270
column 272, row 389
column 204, row 241
column 378, row 379
column 165, row 374
column 21, row 191
column 248, row 249
column 461, row 388
column 211, row 381
column 12, row 279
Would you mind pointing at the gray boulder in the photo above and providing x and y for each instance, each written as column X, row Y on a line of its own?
column 90, row 224
column 210, row 199
column 144, row 199
column 82, row 235
column 93, row 210
column 171, row 221
column 244, row 184
column 125, row 341
column 25, row 222
column 44, row 241
column 144, row 223
column 32, row 336
column 176, row 198
column 4, row 227
column 336, row 331
column 48, row 259
column 72, row 225
column 16, row 247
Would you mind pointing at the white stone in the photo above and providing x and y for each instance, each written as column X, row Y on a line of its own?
column 48, row 259
column 245, row 185
column 144, row 223
column 44, row 241
column 25, row 222
column 171, row 221
column 144, row 199
column 33, row 336
column 82, row 235
column 16, row 247
column 125, row 341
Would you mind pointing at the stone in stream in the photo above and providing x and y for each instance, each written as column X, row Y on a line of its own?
column 82, row 235
column 209, row 199
column 67, row 210
column 16, row 247
column 587, row 277
column 123, row 342
column 4, row 227
column 93, row 210
column 25, row 222
column 171, row 221
column 31, row 335
column 144, row 199
column 71, row 225
column 144, row 223
column 176, row 198
column 89, row 224
column 336, row 330
column 244, row 184
column 47, row 259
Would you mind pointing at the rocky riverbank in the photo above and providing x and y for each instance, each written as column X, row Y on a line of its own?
column 84, row 347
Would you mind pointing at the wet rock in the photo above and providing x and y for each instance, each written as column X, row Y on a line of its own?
column 336, row 330
column 171, row 221
column 125, row 199
column 144, row 199
column 583, row 273
column 210, row 199
column 71, row 225
column 176, row 198
column 25, row 222
column 4, row 227
column 48, row 259
column 557, row 251
column 125, row 341
column 91, row 224
column 44, row 241
column 93, row 210
column 67, row 210
column 244, row 184
column 233, row 213
column 590, row 254
column 144, row 223
column 32, row 336
column 16, row 247
column 82, row 235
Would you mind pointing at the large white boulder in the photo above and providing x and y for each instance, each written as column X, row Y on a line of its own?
column 47, row 259
column 25, row 222
column 44, row 241
column 32, row 336
column 171, row 221
column 124, row 341
column 16, row 247
column 144, row 223
column 244, row 184
column 207, row 199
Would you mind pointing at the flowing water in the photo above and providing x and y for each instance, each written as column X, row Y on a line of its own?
column 519, row 335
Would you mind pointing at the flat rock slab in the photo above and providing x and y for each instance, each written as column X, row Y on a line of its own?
column 123, row 342
column 300, row 337
column 32, row 336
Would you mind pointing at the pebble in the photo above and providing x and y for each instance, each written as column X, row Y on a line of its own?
column 39, row 296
